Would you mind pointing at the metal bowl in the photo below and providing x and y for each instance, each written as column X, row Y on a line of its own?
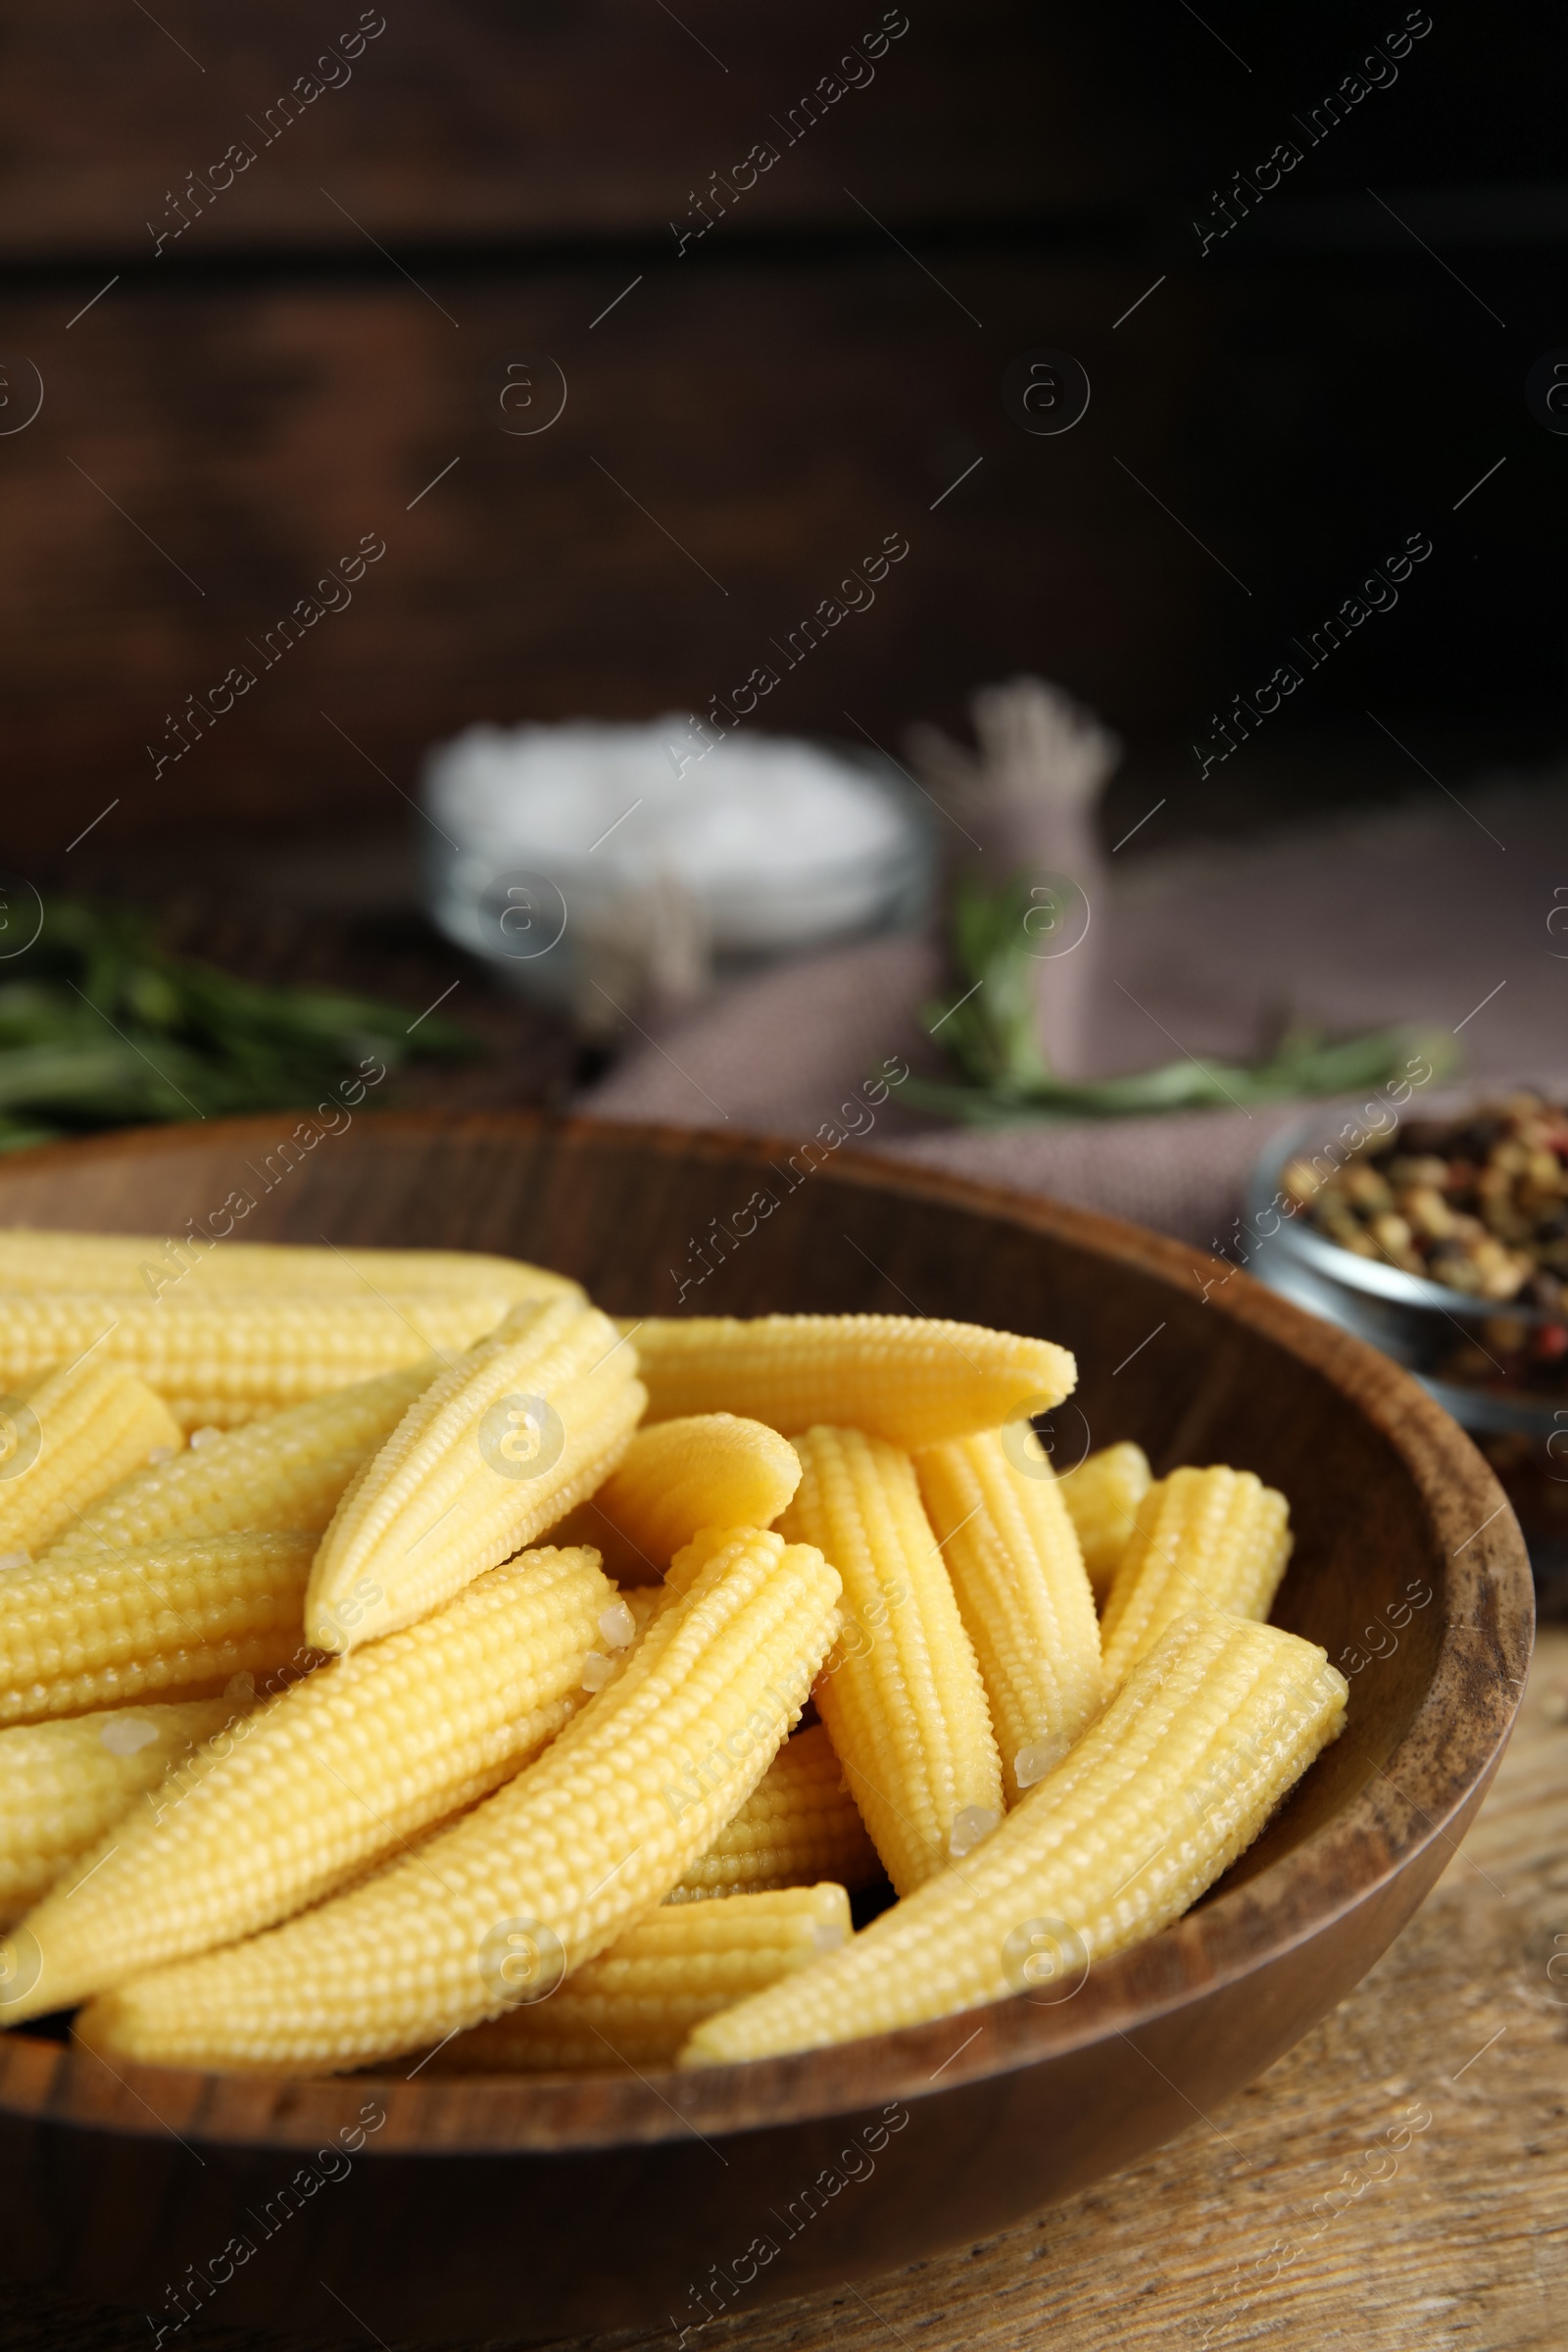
column 545, row 925
column 1450, row 1341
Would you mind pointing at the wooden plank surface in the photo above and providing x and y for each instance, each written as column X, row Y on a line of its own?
column 1453, row 2239
column 734, row 444
column 479, row 121
column 483, row 122
column 249, row 386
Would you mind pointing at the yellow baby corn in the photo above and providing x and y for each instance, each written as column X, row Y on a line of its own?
column 797, row 1826
column 64, row 1785
column 1218, row 1536
column 344, row 1768
column 1155, row 1802
column 282, row 1473
column 216, row 1362
column 635, row 2004
column 98, row 1629
column 1102, row 1495
column 642, row 1601
column 538, row 1879
column 693, row 1557
column 1012, row 1554
column 520, row 1429
column 33, row 1260
column 64, row 1439
column 709, row 1470
column 898, row 1377
column 902, row 1699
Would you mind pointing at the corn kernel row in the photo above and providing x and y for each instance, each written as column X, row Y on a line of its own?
column 282, row 1475
column 216, row 1362
column 1215, row 1537
column 344, row 1768
column 500, row 1446
column 903, row 1698
column 798, row 1825
column 1012, row 1554
column 636, row 2004
column 67, row 1437
column 152, row 1265
column 709, row 1470
column 902, row 1377
column 63, row 1786
column 1102, row 1495
column 1095, row 1856
column 101, row 1627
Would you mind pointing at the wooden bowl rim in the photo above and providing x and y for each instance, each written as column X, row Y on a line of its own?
column 1448, row 1751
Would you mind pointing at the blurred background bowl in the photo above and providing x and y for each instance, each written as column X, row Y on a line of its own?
column 714, row 866
column 1497, row 1366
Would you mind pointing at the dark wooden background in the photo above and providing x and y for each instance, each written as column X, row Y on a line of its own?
column 234, row 411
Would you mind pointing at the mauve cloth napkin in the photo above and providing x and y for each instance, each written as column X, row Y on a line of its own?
column 1431, row 914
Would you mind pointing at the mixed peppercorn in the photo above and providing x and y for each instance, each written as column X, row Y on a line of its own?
column 1479, row 1203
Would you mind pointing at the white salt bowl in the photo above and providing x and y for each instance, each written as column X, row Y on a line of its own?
column 544, row 839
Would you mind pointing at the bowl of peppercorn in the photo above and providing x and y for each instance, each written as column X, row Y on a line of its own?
column 1442, row 1236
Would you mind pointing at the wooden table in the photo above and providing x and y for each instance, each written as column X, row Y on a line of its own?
column 1462, row 2246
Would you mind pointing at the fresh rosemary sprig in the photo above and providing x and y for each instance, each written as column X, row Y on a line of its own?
column 993, row 1037
column 100, row 1028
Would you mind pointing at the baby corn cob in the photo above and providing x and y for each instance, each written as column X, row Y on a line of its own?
column 898, row 1377
column 1217, row 1536
column 903, row 1700
column 1012, row 1554
column 710, row 1470
column 157, row 1620
column 220, row 1361
column 636, row 2003
column 1155, row 1802
column 32, row 1259
column 79, row 1431
column 283, row 1473
column 538, row 1879
column 467, row 1479
column 1102, row 1495
column 64, row 1785
column 797, row 1826
column 341, row 1770
column 693, row 1557
column 642, row 1601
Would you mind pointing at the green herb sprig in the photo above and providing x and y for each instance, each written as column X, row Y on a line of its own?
column 100, row 1028
column 993, row 1037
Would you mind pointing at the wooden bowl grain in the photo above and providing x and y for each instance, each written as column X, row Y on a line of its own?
column 546, row 2208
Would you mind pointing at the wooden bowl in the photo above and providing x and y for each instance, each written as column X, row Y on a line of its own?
column 536, row 2209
